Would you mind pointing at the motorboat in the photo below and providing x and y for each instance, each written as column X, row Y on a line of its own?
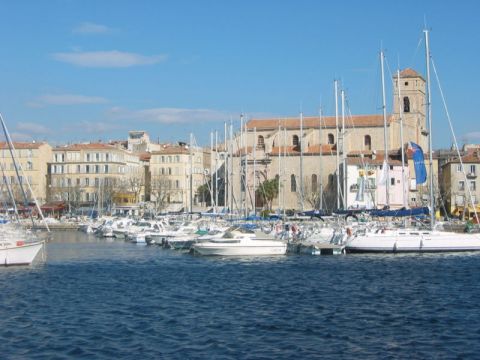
column 241, row 242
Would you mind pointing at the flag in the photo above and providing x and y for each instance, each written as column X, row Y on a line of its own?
column 418, row 163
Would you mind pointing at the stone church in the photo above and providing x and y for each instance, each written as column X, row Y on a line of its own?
column 308, row 156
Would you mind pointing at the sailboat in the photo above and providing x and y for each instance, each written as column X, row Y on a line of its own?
column 379, row 238
column 17, row 245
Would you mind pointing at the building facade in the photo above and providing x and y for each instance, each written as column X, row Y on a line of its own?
column 94, row 173
column 32, row 159
column 175, row 174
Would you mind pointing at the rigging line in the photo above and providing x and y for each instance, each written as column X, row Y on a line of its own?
column 454, row 137
column 420, row 41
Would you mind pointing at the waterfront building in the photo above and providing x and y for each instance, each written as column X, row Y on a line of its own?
column 459, row 185
column 306, row 152
column 175, row 174
column 32, row 158
column 95, row 174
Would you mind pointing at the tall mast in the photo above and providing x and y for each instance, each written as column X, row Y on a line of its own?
column 320, row 205
column 247, row 191
column 429, row 121
column 216, row 171
column 385, row 134
column 254, row 200
column 231, row 167
column 191, row 173
column 225, row 167
column 211, row 168
column 344, row 157
column 337, row 150
column 279, row 165
column 242, row 166
column 284, row 172
column 400, row 114
column 301, row 161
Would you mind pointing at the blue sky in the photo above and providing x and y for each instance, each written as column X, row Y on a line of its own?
column 80, row 70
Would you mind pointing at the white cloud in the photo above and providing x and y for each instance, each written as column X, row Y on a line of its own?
column 108, row 59
column 170, row 115
column 16, row 136
column 471, row 137
column 91, row 28
column 94, row 127
column 32, row 128
column 66, row 99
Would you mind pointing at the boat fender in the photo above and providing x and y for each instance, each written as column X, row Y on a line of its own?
column 349, row 232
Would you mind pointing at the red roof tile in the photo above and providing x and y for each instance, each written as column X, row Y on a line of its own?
column 314, row 121
column 22, row 145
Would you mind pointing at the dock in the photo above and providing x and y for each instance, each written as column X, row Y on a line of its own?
column 314, row 249
column 54, row 226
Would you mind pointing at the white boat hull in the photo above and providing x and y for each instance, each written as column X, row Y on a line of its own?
column 13, row 254
column 222, row 249
column 435, row 242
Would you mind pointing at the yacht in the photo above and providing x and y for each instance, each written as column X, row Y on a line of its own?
column 239, row 241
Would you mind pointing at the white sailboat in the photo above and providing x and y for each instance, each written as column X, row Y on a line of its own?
column 17, row 245
column 381, row 239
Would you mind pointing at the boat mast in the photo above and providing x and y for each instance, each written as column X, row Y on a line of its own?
column 429, row 121
column 301, row 161
column 225, row 168
column 231, row 166
column 211, row 168
column 400, row 114
column 284, row 172
column 385, row 134
column 247, row 192
column 337, row 153
column 279, row 165
column 191, row 173
column 254, row 200
column 320, row 204
column 344, row 157
column 216, row 171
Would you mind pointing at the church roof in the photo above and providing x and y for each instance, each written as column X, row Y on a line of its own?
column 314, row 121
column 409, row 73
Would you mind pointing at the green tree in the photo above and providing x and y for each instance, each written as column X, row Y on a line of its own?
column 203, row 194
column 266, row 192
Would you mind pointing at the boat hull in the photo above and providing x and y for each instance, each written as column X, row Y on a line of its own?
column 210, row 249
column 20, row 255
column 435, row 243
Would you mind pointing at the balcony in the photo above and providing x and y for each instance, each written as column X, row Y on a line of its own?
column 471, row 175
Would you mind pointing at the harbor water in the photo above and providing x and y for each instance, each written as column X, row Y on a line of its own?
column 101, row 299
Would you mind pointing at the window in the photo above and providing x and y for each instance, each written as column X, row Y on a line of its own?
column 368, row 142
column 88, row 156
column 169, row 171
column 392, row 181
column 260, row 142
column 295, row 141
column 331, row 139
column 106, row 169
column 87, row 169
column 406, row 83
column 472, row 169
column 97, row 169
column 87, row 181
column 406, row 104
column 78, row 182
column 473, row 185
column 314, row 183
column 29, row 165
column 78, row 169
column 177, row 184
column 461, row 185
column 293, row 183
column 459, row 167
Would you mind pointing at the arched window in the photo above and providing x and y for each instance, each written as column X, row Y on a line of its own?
column 406, row 104
column 314, row 183
column 331, row 139
column 293, row 183
column 368, row 142
column 295, row 141
column 260, row 142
